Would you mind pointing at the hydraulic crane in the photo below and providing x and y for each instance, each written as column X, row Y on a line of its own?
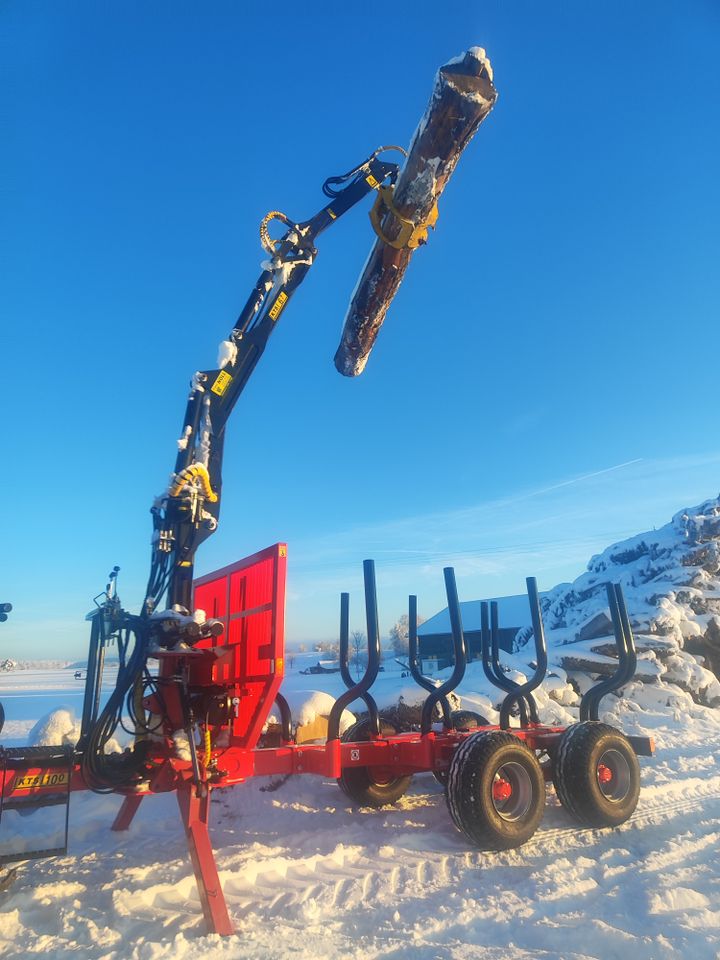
column 196, row 717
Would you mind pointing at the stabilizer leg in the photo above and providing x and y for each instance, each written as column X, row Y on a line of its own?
column 195, row 815
column 126, row 812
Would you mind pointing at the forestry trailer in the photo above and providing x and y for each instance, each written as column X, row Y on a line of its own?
column 216, row 643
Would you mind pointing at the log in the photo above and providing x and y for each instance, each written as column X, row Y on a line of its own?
column 599, row 666
column 462, row 97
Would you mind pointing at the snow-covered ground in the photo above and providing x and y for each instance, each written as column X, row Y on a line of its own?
column 307, row 876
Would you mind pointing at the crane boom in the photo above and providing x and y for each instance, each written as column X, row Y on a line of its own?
column 189, row 511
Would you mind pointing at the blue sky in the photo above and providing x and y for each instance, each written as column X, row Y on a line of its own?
column 544, row 383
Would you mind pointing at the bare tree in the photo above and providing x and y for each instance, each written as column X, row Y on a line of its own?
column 359, row 646
column 328, row 646
column 399, row 634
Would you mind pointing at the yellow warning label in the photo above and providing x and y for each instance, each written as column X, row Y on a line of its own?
column 283, row 551
column 41, row 780
column 222, row 382
column 371, row 180
column 279, row 664
column 276, row 309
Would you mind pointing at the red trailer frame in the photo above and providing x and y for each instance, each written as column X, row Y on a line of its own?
column 239, row 674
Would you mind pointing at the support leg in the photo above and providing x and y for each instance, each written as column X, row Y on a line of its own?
column 126, row 812
column 195, row 815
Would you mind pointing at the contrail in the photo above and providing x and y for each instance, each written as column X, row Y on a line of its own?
column 586, row 476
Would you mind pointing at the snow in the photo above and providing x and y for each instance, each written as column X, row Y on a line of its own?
column 477, row 53
column 307, row 705
column 183, row 441
column 670, row 578
column 59, row 727
column 227, row 354
column 306, row 875
column 512, row 611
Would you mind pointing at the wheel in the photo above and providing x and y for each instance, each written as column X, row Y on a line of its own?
column 461, row 720
column 371, row 786
column 467, row 720
column 596, row 775
column 495, row 790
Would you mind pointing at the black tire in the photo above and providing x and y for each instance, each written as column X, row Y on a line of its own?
column 468, row 720
column 371, row 786
column 495, row 790
column 596, row 774
column 461, row 720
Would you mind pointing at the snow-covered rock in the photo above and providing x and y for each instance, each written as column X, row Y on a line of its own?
column 671, row 581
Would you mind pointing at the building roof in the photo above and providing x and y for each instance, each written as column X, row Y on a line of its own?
column 512, row 612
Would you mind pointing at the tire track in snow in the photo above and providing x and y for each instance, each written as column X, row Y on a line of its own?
column 381, row 879
column 351, row 876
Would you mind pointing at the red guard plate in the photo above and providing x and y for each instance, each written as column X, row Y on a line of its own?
column 249, row 598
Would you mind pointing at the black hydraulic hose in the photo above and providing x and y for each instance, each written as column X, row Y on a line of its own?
column 105, row 773
column 459, row 651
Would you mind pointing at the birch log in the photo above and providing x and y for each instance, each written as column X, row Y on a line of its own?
column 462, row 97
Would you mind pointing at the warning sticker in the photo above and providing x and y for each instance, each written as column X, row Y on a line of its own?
column 222, row 382
column 276, row 309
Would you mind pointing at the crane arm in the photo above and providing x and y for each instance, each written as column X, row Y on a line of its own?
column 188, row 512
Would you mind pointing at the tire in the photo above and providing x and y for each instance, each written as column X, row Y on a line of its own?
column 596, row 775
column 495, row 790
column 461, row 720
column 371, row 786
column 468, row 720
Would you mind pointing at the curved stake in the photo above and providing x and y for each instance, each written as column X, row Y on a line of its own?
column 414, row 663
column 459, row 651
column 489, row 641
column 360, row 689
column 285, row 718
column 627, row 656
column 344, row 660
column 524, row 690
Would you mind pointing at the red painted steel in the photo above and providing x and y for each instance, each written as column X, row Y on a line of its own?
column 127, row 811
column 249, row 598
column 195, row 812
column 244, row 668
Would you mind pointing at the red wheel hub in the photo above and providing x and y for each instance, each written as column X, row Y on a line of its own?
column 381, row 776
column 604, row 774
column 502, row 790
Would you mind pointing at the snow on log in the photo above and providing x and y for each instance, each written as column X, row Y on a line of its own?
column 599, row 666
column 462, row 97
